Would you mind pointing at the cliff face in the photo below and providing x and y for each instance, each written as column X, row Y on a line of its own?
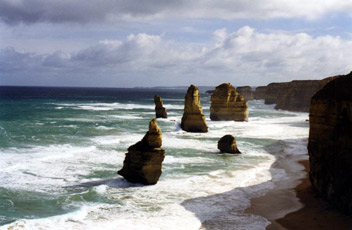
column 246, row 92
column 143, row 161
column 193, row 119
column 294, row 95
column 227, row 104
column 330, row 142
column 160, row 110
column 275, row 91
column 260, row 92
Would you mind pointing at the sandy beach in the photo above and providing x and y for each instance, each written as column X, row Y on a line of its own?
column 292, row 204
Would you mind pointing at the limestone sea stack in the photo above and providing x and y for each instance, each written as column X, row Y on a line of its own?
column 330, row 142
column 228, row 105
column 193, row 119
column 160, row 110
column 144, row 159
column 227, row 144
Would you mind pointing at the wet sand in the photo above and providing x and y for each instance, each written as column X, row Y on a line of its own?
column 293, row 205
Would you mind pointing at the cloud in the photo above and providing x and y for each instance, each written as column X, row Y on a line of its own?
column 244, row 56
column 86, row 11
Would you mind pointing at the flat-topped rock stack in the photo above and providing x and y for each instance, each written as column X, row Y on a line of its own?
column 330, row 142
column 227, row 104
column 143, row 162
column 160, row 110
column 193, row 119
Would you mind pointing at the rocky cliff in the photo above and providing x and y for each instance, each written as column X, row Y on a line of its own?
column 330, row 142
column 143, row 161
column 294, row 95
column 160, row 110
column 227, row 104
column 260, row 92
column 274, row 91
column 246, row 92
column 193, row 119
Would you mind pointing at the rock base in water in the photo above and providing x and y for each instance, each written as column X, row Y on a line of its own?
column 227, row 144
column 143, row 162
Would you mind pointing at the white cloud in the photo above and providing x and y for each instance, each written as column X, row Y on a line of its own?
column 243, row 57
column 85, row 11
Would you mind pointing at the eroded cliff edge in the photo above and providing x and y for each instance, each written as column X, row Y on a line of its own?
column 294, row 95
column 330, row 142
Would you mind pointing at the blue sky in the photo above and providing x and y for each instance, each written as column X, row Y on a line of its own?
column 117, row 43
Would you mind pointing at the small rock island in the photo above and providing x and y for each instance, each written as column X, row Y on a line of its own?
column 143, row 162
column 227, row 144
column 193, row 119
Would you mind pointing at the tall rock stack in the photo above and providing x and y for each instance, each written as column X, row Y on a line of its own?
column 144, row 159
column 228, row 105
column 193, row 119
column 330, row 142
column 160, row 110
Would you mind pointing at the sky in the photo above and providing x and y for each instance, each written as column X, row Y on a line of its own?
column 145, row 43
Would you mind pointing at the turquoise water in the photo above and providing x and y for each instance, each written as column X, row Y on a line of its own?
column 60, row 151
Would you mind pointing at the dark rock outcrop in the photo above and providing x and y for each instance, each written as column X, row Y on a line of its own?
column 246, row 92
column 193, row 119
column 160, row 110
column 227, row 144
column 228, row 105
column 144, row 159
column 330, row 142
column 260, row 92
column 294, row 95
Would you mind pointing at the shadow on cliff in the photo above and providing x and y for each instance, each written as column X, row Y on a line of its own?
column 226, row 210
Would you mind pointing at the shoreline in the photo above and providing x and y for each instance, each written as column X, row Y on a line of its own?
column 292, row 203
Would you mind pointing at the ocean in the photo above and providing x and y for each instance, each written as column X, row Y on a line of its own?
column 60, row 149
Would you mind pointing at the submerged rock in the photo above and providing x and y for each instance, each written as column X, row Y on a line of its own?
column 193, row 119
column 227, row 144
column 160, row 110
column 227, row 104
column 330, row 142
column 144, row 159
